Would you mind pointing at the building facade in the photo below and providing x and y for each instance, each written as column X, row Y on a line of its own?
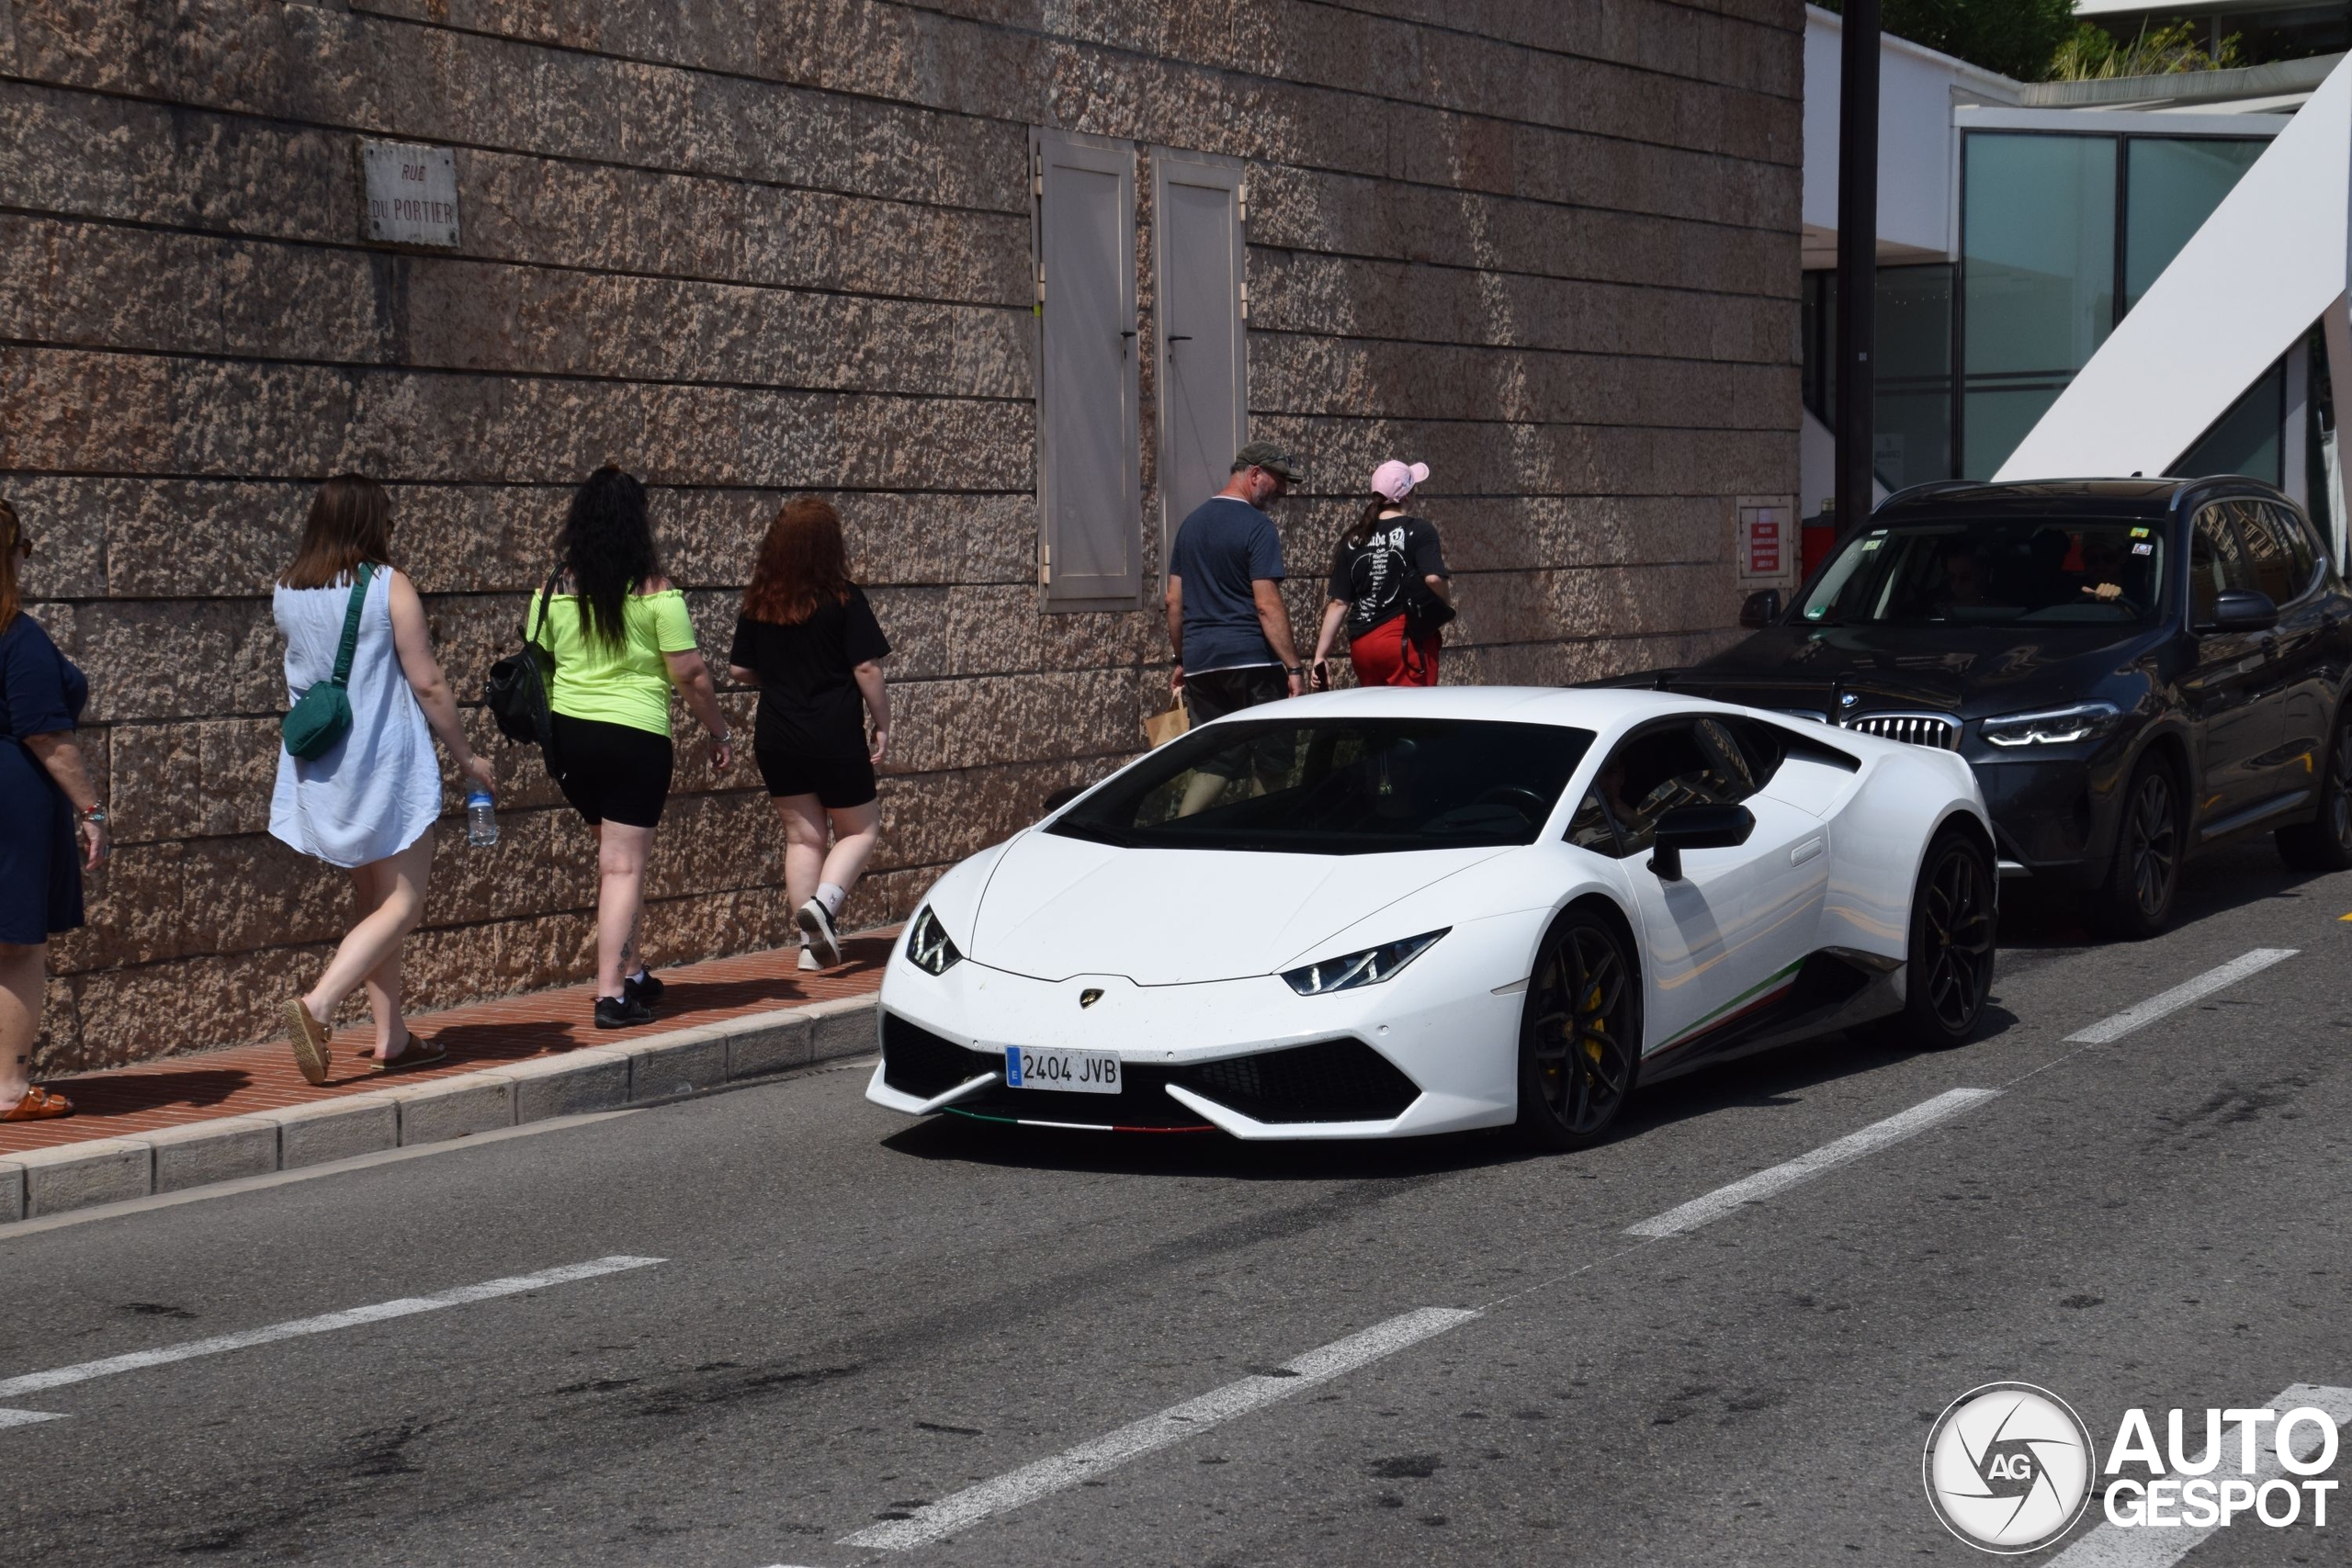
column 892, row 252
column 2020, row 224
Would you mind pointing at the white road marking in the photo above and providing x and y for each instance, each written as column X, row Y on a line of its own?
column 26, row 1417
column 2180, row 996
column 964, row 1510
column 1805, row 1167
column 2160, row 1546
column 82, row 1371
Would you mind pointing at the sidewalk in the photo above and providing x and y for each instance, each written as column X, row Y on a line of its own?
column 185, row 1121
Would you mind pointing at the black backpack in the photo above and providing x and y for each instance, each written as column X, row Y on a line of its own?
column 516, row 693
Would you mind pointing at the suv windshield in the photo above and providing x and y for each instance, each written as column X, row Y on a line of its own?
column 1996, row 574
column 1337, row 786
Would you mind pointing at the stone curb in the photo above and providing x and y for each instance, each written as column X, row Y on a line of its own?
column 593, row 1078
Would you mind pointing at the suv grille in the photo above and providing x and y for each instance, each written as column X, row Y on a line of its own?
column 1912, row 729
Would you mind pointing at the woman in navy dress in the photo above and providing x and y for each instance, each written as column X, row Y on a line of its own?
column 46, row 801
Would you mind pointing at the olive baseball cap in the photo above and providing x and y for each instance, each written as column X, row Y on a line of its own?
column 1275, row 460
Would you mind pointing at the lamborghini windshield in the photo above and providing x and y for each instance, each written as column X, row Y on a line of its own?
column 1337, row 786
column 2000, row 572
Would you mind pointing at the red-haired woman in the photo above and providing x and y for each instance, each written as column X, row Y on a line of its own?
column 46, row 805
column 808, row 640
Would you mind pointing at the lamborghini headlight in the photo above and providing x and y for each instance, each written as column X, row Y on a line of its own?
column 928, row 948
column 2056, row 726
column 1368, row 967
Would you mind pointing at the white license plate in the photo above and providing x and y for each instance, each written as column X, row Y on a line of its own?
column 1067, row 1072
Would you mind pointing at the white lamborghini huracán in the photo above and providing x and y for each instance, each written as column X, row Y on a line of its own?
column 1381, row 913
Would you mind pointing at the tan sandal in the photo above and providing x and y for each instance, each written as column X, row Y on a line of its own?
column 418, row 1053
column 37, row 1105
column 309, row 1038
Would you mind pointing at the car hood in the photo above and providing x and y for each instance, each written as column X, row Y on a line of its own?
column 1058, row 908
column 1968, row 671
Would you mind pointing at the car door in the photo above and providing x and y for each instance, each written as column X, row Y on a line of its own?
column 1725, row 937
column 2303, row 685
column 2227, row 690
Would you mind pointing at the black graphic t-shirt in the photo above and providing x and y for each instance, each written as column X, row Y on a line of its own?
column 1371, row 577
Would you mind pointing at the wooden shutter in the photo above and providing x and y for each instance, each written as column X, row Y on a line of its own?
column 1196, row 204
column 1089, row 488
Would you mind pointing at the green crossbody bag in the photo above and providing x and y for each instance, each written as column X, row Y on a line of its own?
column 323, row 715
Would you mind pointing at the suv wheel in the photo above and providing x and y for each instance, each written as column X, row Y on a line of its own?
column 2324, row 843
column 2136, row 901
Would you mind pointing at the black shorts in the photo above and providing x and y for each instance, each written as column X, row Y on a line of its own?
column 1221, row 692
column 838, row 783
column 611, row 772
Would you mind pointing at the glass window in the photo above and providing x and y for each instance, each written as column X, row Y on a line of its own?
column 1692, row 762
column 2170, row 188
column 2006, row 572
column 2301, row 538
column 2039, row 244
column 2244, row 440
column 2281, row 569
column 1912, row 442
column 2216, row 561
column 1335, row 787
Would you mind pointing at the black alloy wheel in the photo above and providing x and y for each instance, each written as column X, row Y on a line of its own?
column 2324, row 843
column 2136, row 902
column 1580, row 1033
column 1952, row 940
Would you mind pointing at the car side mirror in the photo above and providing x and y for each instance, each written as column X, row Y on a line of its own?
column 1760, row 608
column 2241, row 610
column 1697, row 827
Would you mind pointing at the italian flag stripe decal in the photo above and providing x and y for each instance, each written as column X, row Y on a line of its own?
column 1748, row 1001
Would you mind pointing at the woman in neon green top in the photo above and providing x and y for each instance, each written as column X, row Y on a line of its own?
column 618, row 634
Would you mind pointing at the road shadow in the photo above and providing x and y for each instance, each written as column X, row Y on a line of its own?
column 962, row 1140
column 2035, row 918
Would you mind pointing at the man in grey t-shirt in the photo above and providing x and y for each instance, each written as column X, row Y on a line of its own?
column 1226, row 618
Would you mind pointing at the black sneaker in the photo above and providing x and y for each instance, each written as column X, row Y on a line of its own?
column 621, row 1012
column 818, row 926
column 646, row 991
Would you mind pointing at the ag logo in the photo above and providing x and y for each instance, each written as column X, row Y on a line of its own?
column 2008, row 1467
column 1089, row 997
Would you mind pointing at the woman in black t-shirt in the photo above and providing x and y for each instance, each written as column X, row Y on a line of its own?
column 808, row 640
column 1388, row 562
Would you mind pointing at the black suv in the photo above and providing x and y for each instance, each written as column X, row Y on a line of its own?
column 2137, row 669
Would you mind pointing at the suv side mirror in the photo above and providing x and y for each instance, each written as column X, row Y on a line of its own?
column 1696, row 828
column 2241, row 610
column 1760, row 608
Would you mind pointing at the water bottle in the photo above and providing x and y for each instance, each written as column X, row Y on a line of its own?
column 481, row 819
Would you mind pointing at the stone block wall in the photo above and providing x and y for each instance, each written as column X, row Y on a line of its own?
column 750, row 247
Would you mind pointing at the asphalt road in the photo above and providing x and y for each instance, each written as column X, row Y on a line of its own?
column 854, row 1317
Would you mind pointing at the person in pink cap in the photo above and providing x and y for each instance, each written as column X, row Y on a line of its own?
column 1389, row 585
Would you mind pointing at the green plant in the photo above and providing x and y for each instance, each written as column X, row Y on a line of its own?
column 2094, row 54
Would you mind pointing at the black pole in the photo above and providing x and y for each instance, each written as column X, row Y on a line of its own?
column 1857, row 261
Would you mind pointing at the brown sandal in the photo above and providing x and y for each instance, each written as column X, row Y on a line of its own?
column 37, row 1105
column 309, row 1038
column 418, row 1053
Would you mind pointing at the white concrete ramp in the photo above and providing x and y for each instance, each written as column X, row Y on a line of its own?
column 2270, row 261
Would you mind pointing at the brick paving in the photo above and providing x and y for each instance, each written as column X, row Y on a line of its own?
column 178, row 1090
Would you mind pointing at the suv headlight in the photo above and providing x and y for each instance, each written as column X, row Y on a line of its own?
column 1368, row 967
column 928, row 948
column 2055, row 727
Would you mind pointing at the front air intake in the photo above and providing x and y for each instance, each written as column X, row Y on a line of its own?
column 1332, row 1080
column 917, row 1061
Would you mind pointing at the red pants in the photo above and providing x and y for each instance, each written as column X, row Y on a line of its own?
column 1384, row 655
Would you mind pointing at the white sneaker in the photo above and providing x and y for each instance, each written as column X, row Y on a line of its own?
column 807, row 959
column 817, row 931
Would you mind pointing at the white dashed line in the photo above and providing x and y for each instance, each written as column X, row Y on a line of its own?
column 2180, row 996
column 26, row 1417
column 2160, row 1546
column 1805, row 1167
column 938, row 1521
column 136, row 1360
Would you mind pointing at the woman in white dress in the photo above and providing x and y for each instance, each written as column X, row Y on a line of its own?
column 368, row 803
